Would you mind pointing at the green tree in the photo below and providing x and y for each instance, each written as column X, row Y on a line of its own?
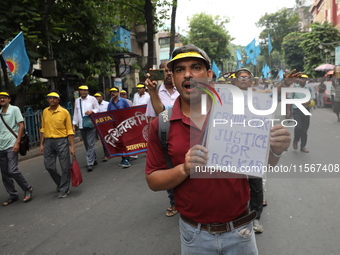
column 293, row 53
column 278, row 25
column 321, row 37
column 76, row 33
column 208, row 32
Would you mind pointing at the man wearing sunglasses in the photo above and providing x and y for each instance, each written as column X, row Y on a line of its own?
column 123, row 94
column 9, row 147
column 244, row 79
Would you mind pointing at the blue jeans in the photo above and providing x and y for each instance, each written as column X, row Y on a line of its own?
column 195, row 241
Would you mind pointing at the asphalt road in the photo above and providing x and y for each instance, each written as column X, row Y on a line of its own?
column 114, row 212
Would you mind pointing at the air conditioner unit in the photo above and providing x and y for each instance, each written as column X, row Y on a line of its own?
column 49, row 68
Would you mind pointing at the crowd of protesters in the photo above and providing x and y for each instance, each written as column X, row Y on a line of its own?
column 237, row 204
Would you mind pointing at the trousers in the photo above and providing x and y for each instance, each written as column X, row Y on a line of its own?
column 53, row 148
column 256, row 195
column 300, row 131
column 10, row 172
column 89, row 138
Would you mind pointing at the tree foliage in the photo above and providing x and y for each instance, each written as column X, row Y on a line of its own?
column 145, row 13
column 208, row 32
column 76, row 33
column 293, row 53
column 324, row 35
column 278, row 25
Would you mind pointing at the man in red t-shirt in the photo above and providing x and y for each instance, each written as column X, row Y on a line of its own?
column 219, row 206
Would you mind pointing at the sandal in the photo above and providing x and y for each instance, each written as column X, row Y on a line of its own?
column 28, row 195
column 10, row 200
column 170, row 212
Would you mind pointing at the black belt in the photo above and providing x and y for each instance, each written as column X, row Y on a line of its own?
column 218, row 228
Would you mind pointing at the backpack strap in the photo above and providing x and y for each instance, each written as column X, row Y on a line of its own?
column 163, row 131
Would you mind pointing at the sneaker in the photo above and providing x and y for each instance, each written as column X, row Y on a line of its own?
column 121, row 162
column 258, row 228
column 63, row 194
column 89, row 168
column 134, row 157
column 125, row 163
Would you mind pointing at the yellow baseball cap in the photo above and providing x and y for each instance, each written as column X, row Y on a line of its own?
column 114, row 89
column 83, row 87
column 140, row 85
column 190, row 54
column 53, row 94
column 123, row 91
column 4, row 94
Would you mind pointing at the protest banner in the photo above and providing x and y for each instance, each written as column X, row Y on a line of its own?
column 124, row 132
column 238, row 143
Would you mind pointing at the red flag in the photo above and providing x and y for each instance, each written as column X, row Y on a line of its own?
column 124, row 132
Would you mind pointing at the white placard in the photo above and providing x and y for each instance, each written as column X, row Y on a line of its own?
column 239, row 143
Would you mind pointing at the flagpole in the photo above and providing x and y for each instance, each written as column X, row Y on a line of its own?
column 270, row 63
column 11, row 42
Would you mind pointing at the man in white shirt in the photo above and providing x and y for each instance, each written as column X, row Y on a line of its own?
column 102, row 108
column 86, row 105
column 141, row 97
column 102, row 103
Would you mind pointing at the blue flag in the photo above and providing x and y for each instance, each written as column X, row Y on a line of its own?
column 265, row 71
column 238, row 59
column 253, row 52
column 257, row 51
column 250, row 48
column 280, row 75
column 270, row 46
column 215, row 69
column 16, row 59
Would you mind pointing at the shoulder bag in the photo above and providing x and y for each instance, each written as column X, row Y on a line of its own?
column 87, row 122
column 24, row 144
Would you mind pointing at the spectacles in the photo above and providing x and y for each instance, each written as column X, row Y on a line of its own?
column 243, row 78
column 55, row 98
column 123, row 94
